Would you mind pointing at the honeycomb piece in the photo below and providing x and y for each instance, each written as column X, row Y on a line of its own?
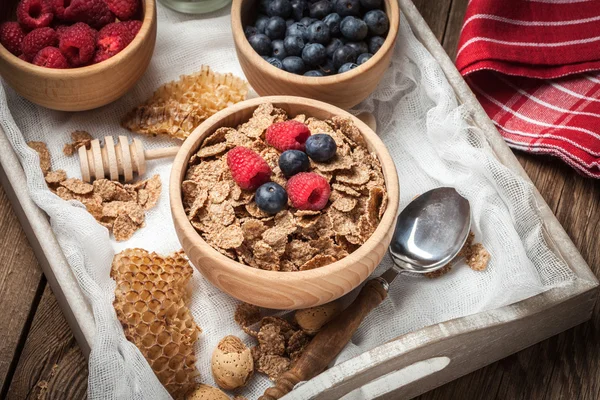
column 150, row 301
column 178, row 107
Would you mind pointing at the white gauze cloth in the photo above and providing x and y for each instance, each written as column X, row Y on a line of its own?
column 428, row 137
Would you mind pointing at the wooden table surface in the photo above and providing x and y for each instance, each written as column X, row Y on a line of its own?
column 39, row 357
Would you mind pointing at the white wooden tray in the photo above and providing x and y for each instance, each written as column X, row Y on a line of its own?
column 411, row 364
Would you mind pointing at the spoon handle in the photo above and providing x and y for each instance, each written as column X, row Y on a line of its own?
column 328, row 343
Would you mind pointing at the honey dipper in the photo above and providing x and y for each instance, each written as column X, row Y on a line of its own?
column 118, row 159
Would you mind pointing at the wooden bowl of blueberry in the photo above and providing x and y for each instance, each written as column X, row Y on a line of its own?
column 74, row 55
column 334, row 51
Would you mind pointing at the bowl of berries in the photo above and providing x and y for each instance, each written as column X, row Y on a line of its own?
column 75, row 55
column 284, row 202
column 334, row 51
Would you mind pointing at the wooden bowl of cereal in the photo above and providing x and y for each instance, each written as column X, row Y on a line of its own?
column 295, row 258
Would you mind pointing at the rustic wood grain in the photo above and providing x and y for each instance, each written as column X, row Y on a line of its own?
column 20, row 280
column 563, row 367
column 51, row 366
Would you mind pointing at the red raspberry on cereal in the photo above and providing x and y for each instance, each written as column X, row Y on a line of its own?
column 95, row 13
column 124, row 9
column 248, row 169
column 308, row 191
column 36, row 40
column 287, row 135
column 78, row 44
column 50, row 57
column 11, row 37
column 33, row 14
column 112, row 39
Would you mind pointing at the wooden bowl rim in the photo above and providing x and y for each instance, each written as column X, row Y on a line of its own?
column 131, row 49
column 243, row 45
column 234, row 267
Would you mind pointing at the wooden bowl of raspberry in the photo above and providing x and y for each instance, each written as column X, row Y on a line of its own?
column 284, row 202
column 328, row 50
column 75, row 55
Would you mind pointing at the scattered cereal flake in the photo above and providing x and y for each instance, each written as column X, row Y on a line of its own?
column 318, row 126
column 153, row 187
column 479, row 257
column 246, row 314
column 296, row 344
column 299, row 252
column 54, row 177
column 302, row 213
column 442, row 271
column 300, row 118
column 374, row 204
column 44, row 154
column 256, row 212
column 124, row 228
column 222, row 213
column 256, row 353
column 230, row 237
column 264, row 116
column 270, row 340
column 115, row 208
column 198, row 203
column 273, row 366
column 79, row 139
column 317, row 262
column 467, row 247
column 105, row 189
column 338, row 163
column 345, row 189
column 235, row 138
column 258, row 146
column 77, row 186
column 271, row 156
column 217, row 136
column 253, row 229
column 344, row 204
column 178, row 107
column 356, row 176
column 347, row 127
column 287, row 329
column 275, row 236
column 265, row 256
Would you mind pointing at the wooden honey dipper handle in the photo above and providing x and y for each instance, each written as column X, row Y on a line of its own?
column 161, row 153
column 328, row 343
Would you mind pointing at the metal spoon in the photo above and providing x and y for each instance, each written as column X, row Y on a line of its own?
column 429, row 233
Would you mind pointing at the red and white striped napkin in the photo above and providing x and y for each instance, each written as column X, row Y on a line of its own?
column 534, row 66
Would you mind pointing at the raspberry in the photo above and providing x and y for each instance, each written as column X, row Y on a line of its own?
column 58, row 7
column 50, row 57
column 134, row 26
column 248, row 169
column 78, row 43
column 308, row 191
column 60, row 29
column 11, row 37
column 124, row 9
column 112, row 39
column 287, row 135
column 95, row 13
column 36, row 40
column 33, row 14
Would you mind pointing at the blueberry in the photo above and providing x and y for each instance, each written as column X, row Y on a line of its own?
column 271, row 198
column 314, row 54
column 297, row 29
column 343, row 55
column 275, row 28
column 363, row 58
column 333, row 46
column 289, row 22
column 278, row 49
column 261, row 44
column 320, row 147
column 354, row 29
column 327, row 67
column 293, row 161
column 370, row 4
column 279, row 8
column 250, row 31
column 347, row 67
column 375, row 44
column 347, row 7
column 261, row 23
column 320, row 9
column 314, row 72
column 293, row 45
column 274, row 62
column 299, row 9
column 318, row 32
column 377, row 22
column 306, row 21
column 263, row 5
column 333, row 23
column 359, row 47
column 294, row 65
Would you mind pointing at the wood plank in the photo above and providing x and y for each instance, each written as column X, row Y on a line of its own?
column 51, row 364
column 20, row 280
column 435, row 13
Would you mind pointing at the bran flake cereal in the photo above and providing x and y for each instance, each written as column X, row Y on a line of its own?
column 228, row 218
